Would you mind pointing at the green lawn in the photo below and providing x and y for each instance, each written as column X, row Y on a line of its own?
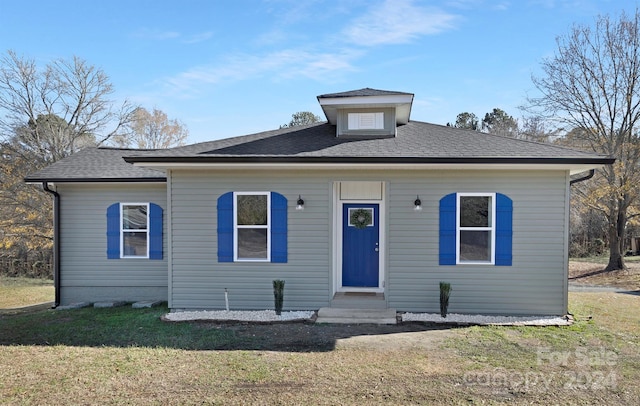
column 127, row 356
column 19, row 292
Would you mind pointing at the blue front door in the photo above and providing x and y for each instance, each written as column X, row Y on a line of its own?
column 360, row 245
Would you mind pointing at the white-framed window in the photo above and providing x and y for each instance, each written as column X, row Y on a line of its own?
column 252, row 226
column 475, row 228
column 134, row 230
column 366, row 121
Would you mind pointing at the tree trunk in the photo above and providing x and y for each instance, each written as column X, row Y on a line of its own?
column 616, row 242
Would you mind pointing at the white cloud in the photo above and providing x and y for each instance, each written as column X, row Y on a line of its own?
column 464, row 4
column 156, row 34
column 501, row 6
column 397, row 22
column 280, row 65
column 194, row 39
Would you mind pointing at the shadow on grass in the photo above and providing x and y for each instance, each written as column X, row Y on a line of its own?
column 125, row 327
column 588, row 274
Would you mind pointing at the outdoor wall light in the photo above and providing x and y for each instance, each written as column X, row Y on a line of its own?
column 418, row 204
column 300, row 203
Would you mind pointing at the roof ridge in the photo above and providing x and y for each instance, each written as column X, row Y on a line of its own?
column 366, row 91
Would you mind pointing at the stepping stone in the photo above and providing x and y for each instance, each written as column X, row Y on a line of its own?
column 146, row 304
column 77, row 305
column 105, row 305
column 356, row 316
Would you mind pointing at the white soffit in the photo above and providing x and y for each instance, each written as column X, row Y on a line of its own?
column 296, row 166
column 401, row 102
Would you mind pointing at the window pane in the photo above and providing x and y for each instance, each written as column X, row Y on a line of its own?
column 134, row 217
column 475, row 211
column 134, row 244
column 475, row 246
column 252, row 210
column 252, row 243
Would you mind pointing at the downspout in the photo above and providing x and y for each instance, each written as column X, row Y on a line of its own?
column 571, row 182
column 56, row 242
column 587, row 177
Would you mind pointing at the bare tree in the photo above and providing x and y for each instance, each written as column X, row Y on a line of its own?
column 58, row 109
column 536, row 128
column 46, row 114
column 592, row 84
column 154, row 130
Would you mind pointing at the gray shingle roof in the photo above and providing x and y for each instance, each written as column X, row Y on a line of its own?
column 97, row 164
column 415, row 142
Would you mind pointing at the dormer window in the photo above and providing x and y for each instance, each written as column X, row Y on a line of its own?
column 367, row 113
column 366, row 121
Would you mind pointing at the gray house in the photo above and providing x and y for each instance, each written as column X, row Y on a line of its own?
column 367, row 204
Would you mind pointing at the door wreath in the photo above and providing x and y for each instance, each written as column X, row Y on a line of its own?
column 360, row 218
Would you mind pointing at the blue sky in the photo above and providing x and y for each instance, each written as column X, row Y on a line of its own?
column 234, row 67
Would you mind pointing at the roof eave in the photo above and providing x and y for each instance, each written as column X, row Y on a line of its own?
column 369, row 160
column 573, row 165
column 95, row 180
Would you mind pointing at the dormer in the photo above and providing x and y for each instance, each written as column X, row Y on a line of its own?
column 367, row 113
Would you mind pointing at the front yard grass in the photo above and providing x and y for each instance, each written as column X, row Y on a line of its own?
column 19, row 292
column 127, row 356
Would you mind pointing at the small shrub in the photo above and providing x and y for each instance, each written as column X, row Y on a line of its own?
column 278, row 295
column 445, row 292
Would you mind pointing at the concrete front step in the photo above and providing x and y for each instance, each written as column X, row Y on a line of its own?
column 356, row 316
column 356, row 300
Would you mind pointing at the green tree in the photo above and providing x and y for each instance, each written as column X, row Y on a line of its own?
column 592, row 84
column 468, row 121
column 302, row 118
column 500, row 123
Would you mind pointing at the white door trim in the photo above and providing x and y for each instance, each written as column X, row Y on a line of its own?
column 337, row 238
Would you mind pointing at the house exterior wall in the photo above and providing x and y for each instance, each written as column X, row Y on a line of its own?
column 198, row 280
column 85, row 272
column 534, row 284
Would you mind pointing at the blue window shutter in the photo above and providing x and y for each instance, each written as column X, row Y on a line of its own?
column 278, row 228
column 448, row 229
column 113, row 231
column 225, row 227
column 504, row 230
column 155, row 231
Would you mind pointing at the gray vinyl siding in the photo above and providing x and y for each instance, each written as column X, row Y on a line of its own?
column 86, row 273
column 535, row 284
column 199, row 280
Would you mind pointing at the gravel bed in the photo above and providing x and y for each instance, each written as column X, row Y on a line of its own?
column 489, row 320
column 257, row 315
column 270, row 315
